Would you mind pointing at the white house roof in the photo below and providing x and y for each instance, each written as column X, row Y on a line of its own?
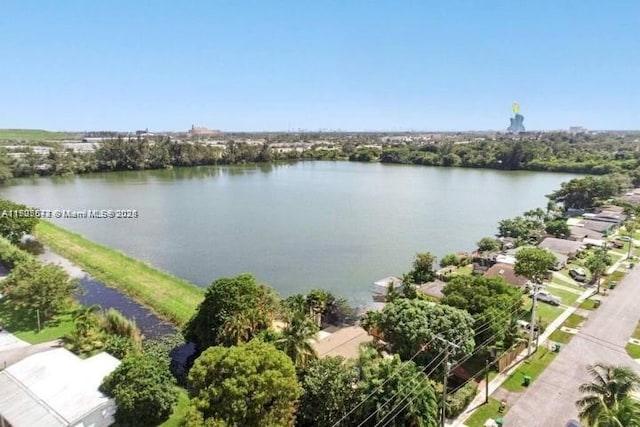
column 54, row 388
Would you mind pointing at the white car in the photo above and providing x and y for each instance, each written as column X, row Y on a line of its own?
column 547, row 297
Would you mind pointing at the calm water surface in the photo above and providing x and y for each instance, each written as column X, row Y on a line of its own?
column 336, row 225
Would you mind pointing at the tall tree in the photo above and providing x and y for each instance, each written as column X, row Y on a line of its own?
column 329, row 393
column 46, row 288
column 597, row 264
column 423, row 267
column 14, row 225
column 234, row 310
column 252, row 385
column 534, row 263
column 296, row 339
column 143, row 389
column 488, row 300
column 409, row 324
column 611, row 385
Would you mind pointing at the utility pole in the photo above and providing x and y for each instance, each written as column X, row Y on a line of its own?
column 486, row 383
column 532, row 324
column 447, row 345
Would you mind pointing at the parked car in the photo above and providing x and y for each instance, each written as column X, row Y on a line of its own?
column 547, row 297
column 617, row 245
column 578, row 274
column 526, row 326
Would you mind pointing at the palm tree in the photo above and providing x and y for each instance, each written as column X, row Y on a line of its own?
column 607, row 395
column 625, row 413
column 296, row 339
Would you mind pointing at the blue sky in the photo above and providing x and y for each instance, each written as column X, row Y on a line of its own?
column 350, row 65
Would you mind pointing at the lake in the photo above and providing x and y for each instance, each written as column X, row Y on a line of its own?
column 335, row 225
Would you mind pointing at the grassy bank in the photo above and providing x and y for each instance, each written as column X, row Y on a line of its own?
column 172, row 298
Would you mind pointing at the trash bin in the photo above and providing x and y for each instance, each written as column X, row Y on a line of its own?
column 596, row 303
column 613, row 285
column 499, row 421
column 526, row 381
column 557, row 347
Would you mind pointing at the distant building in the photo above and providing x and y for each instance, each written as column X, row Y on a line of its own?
column 202, row 131
column 56, row 389
column 144, row 133
column 577, row 129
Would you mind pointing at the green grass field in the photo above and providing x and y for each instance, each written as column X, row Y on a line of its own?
column 588, row 304
column 573, row 321
column 633, row 350
column 179, row 411
column 33, row 135
column 24, row 324
column 568, row 298
column 532, row 367
column 172, row 298
column 560, row 336
column 483, row 413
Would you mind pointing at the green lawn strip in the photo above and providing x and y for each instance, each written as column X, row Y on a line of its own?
column 636, row 332
column 633, row 350
column 588, row 304
column 172, row 298
column 573, row 321
column 23, row 324
column 616, row 276
column 560, row 336
column 31, row 135
column 532, row 367
column 557, row 281
column 179, row 410
column 484, row 412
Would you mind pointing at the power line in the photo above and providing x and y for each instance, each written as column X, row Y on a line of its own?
column 420, row 350
column 401, row 389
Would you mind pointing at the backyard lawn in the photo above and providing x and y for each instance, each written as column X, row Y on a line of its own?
column 24, row 324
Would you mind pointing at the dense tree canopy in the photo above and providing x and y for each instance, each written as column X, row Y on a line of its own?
column 489, row 244
column 401, row 395
column 558, row 228
column 14, row 225
column 409, row 324
column 143, row 389
column 587, row 192
column 492, row 302
column 423, row 267
column 233, row 311
column 252, row 385
column 328, row 393
column 47, row 287
column 534, row 263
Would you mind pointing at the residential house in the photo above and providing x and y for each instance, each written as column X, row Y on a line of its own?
column 580, row 233
column 599, row 226
column 56, row 389
column 433, row 289
column 507, row 272
column 345, row 342
column 562, row 246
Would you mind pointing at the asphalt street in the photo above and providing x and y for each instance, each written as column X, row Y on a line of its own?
column 550, row 400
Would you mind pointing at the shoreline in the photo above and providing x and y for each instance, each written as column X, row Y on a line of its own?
column 170, row 298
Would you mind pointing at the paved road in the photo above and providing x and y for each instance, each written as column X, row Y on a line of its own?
column 550, row 401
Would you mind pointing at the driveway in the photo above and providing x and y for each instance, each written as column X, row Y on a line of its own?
column 550, row 401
